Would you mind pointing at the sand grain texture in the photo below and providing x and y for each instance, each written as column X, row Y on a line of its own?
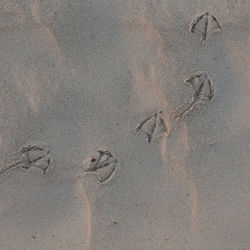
column 162, row 88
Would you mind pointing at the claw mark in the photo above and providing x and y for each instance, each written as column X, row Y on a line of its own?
column 30, row 156
column 195, row 21
column 204, row 22
column 152, row 126
column 216, row 21
column 104, row 166
column 203, row 91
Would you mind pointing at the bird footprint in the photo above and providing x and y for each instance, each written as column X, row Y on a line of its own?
column 104, row 166
column 204, row 24
column 203, row 91
column 153, row 126
column 30, row 156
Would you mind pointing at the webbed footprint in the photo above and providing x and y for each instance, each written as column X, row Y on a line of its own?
column 104, row 165
column 30, row 156
column 153, row 126
column 204, row 24
column 203, row 91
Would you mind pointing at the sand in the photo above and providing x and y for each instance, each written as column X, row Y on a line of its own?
column 132, row 123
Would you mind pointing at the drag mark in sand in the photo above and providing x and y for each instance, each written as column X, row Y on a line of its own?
column 30, row 156
column 104, row 166
column 203, row 91
column 153, row 126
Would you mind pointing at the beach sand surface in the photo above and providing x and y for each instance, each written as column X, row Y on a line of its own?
column 139, row 112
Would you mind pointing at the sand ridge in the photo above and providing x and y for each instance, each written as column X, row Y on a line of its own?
column 143, row 106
